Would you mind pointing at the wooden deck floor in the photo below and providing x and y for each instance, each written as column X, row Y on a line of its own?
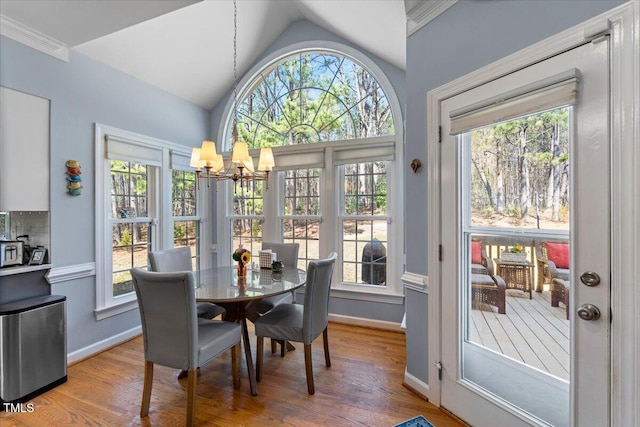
column 531, row 331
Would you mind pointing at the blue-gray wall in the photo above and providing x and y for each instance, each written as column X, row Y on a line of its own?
column 467, row 36
column 303, row 31
column 83, row 92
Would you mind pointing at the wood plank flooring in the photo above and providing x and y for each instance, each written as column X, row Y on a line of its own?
column 531, row 331
column 363, row 387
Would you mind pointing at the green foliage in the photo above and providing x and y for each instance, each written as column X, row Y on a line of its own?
column 487, row 212
column 513, row 211
column 256, row 228
column 179, row 230
column 351, row 204
column 380, row 191
column 563, row 213
column 125, row 237
column 564, row 157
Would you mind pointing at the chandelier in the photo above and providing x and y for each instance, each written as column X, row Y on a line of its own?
column 210, row 165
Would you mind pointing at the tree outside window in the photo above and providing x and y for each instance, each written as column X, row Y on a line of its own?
column 319, row 99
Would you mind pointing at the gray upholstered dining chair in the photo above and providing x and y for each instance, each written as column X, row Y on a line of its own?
column 301, row 323
column 174, row 336
column 288, row 254
column 179, row 259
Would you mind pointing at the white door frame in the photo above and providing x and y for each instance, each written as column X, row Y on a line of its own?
column 623, row 24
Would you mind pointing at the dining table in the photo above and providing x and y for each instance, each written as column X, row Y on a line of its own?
column 222, row 286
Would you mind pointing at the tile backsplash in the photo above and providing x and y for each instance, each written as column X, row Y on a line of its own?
column 34, row 224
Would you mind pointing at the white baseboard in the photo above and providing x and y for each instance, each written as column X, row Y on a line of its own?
column 367, row 323
column 416, row 385
column 103, row 345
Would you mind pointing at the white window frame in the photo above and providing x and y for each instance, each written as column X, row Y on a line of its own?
column 160, row 213
column 180, row 162
column 282, row 217
column 329, row 203
column 343, row 216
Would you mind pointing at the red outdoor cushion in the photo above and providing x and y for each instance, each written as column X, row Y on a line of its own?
column 476, row 252
column 558, row 253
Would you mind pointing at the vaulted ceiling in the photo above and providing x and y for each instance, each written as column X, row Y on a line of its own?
column 185, row 47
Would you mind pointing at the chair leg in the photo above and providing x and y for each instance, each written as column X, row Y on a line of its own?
column 325, row 339
column 259, row 352
column 274, row 346
column 146, row 390
column 283, row 348
column 192, row 381
column 309, row 368
column 235, row 365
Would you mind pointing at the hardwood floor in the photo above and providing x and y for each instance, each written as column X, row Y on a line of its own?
column 363, row 387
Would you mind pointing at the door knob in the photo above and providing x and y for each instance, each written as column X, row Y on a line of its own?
column 590, row 278
column 589, row 312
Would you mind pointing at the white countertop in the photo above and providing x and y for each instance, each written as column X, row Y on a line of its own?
column 8, row 271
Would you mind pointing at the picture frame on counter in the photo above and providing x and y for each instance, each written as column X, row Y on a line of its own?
column 37, row 256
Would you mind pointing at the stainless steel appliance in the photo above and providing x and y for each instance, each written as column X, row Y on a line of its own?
column 11, row 253
column 33, row 347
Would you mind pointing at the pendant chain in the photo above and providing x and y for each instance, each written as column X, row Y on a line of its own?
column 235, row 71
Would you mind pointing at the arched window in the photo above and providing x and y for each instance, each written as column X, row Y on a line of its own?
column 313, row 97
column 331, row 125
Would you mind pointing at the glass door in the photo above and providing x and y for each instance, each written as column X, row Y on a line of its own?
column 525, row 169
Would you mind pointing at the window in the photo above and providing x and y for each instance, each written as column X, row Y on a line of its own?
column 132, row 172
column 186, row 222
column 301, row 212
column 364, row 223
column 334, row 136
column 130, row 222
column 247, row 217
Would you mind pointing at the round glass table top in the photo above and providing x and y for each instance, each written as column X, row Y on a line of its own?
column 221, row 284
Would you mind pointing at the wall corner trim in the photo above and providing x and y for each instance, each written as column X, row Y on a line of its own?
column 416, row 385
column 416, row 282
column 425, row 12
column 33, row 38
column 71, row 272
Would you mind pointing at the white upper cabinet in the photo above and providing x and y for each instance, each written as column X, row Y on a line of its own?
column 24, row 151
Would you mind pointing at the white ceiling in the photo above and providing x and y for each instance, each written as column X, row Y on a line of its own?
column 186, row 47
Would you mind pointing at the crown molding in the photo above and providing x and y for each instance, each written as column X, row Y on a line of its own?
column 33, row 38
column 425, row 12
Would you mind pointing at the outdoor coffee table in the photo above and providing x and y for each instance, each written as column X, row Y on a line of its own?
column 516, row 274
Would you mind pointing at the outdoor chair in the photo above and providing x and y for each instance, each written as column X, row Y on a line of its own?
column 301, row 323
column 486, row 286
column 489, row 290
column 560, row 293
column 175, row 337
column 553, row 262
column 479, row 258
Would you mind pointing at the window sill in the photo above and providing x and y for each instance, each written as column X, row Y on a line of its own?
column 365, row 295
column 114, row 310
